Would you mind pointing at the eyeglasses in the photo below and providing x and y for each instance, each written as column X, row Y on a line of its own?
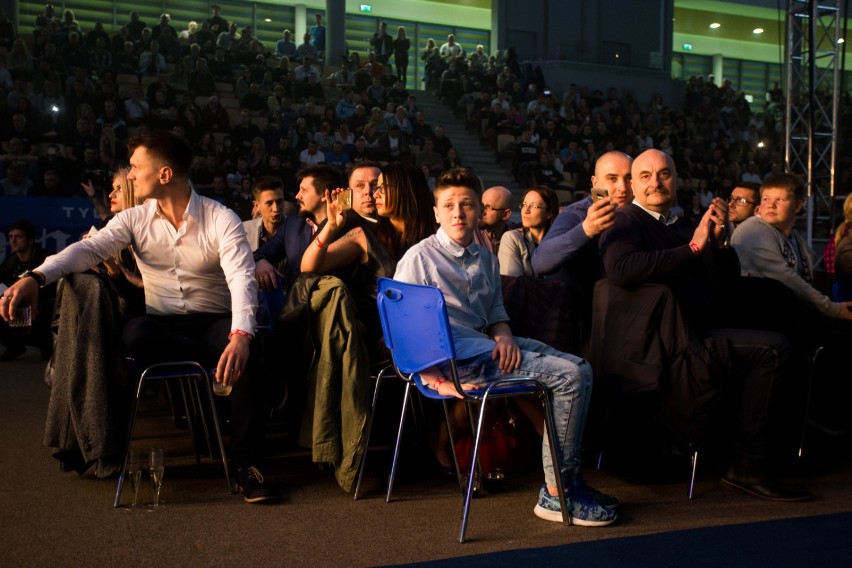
column 490, row 208
column 533, row 206
column 380, row 190
column 740, row 201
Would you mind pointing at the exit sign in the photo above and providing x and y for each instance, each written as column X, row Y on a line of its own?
column 366, row 8
column 687, row 47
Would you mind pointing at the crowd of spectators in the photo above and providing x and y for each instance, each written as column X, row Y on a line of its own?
column 72, row 97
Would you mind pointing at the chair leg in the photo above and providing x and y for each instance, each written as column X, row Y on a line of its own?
column 202, row 374
column 453, row 445
column 185, row 392
column 474, row 455
column 405, row 400
column 363, row 464
column 692, row 475
column 814, row 359
column 217, row 428
column 555, row 454
column 131, row 425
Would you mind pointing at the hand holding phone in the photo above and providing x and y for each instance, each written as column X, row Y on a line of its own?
column 344, row 199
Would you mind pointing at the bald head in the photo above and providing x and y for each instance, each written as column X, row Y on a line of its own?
column 654, row 180
column 499, row 195
column 496, row 208
column 612, row 172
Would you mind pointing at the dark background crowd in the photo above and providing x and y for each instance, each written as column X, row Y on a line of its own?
column 71, row 97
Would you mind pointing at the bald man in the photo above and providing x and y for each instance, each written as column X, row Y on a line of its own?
column 648, row 245
column 496, row 210
column 569, row 250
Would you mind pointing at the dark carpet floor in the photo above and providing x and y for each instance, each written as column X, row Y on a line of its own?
column 48, row 518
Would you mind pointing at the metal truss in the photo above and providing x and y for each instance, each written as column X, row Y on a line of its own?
column 814, row 80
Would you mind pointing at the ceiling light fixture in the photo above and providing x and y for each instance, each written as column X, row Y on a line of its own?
column 757, row 31
column 715, row 25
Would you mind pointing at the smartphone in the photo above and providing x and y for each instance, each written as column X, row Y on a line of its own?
column 344, row 199
column 599, row 193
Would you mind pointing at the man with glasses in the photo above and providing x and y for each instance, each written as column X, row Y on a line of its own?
column 743, row 202
column 496, row 210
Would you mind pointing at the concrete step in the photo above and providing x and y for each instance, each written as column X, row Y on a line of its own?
column 473, row 154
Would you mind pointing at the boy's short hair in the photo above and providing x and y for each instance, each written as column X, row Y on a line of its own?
column 791, row 182
column 458, row 177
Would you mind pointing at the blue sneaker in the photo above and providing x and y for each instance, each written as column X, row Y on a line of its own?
column 579, row 487
column 584, row 511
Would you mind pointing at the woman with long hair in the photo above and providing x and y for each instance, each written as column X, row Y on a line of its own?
column 404, row 206
column 360, row 250
column 401, row 45
column 538, row 210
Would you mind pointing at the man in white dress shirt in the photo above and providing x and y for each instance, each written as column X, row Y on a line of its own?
column 200, row 290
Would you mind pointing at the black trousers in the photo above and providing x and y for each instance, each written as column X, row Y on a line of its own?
column 202, row 338
column 761, row 359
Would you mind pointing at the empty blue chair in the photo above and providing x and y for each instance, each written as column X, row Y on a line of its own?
column 417, row 331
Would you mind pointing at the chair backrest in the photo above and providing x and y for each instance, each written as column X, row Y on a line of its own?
column 415, row 325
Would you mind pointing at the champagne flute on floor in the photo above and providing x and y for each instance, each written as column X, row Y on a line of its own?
column 157, row 468
column 135, row 464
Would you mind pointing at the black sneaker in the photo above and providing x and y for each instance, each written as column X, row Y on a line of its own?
column 251, row 485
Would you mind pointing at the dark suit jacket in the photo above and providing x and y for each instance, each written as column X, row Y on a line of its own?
column 288, row 244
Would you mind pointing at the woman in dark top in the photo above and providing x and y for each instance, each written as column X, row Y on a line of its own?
column 360, row 251
column 401, row 45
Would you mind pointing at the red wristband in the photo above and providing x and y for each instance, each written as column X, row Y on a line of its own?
column 240, row 332
column 695, row 248
column 439, row 382
column 320, row 244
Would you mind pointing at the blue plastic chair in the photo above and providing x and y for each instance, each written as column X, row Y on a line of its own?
column 417, row 331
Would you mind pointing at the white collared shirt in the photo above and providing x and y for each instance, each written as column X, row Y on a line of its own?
column 205, row 266
column 658, row 216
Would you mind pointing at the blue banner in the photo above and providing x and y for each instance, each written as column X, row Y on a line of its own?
column 59, row 221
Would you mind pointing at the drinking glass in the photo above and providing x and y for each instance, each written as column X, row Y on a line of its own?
column 135, row 465
column 155, row 464
column 220, row 389
column 22, row 322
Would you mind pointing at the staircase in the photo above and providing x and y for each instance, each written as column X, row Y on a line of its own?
column 480, row 159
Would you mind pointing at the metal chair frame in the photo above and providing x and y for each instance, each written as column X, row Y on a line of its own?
column 417, row 331
column 192, row 372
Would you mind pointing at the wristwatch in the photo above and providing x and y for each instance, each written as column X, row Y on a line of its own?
column 39, row 278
